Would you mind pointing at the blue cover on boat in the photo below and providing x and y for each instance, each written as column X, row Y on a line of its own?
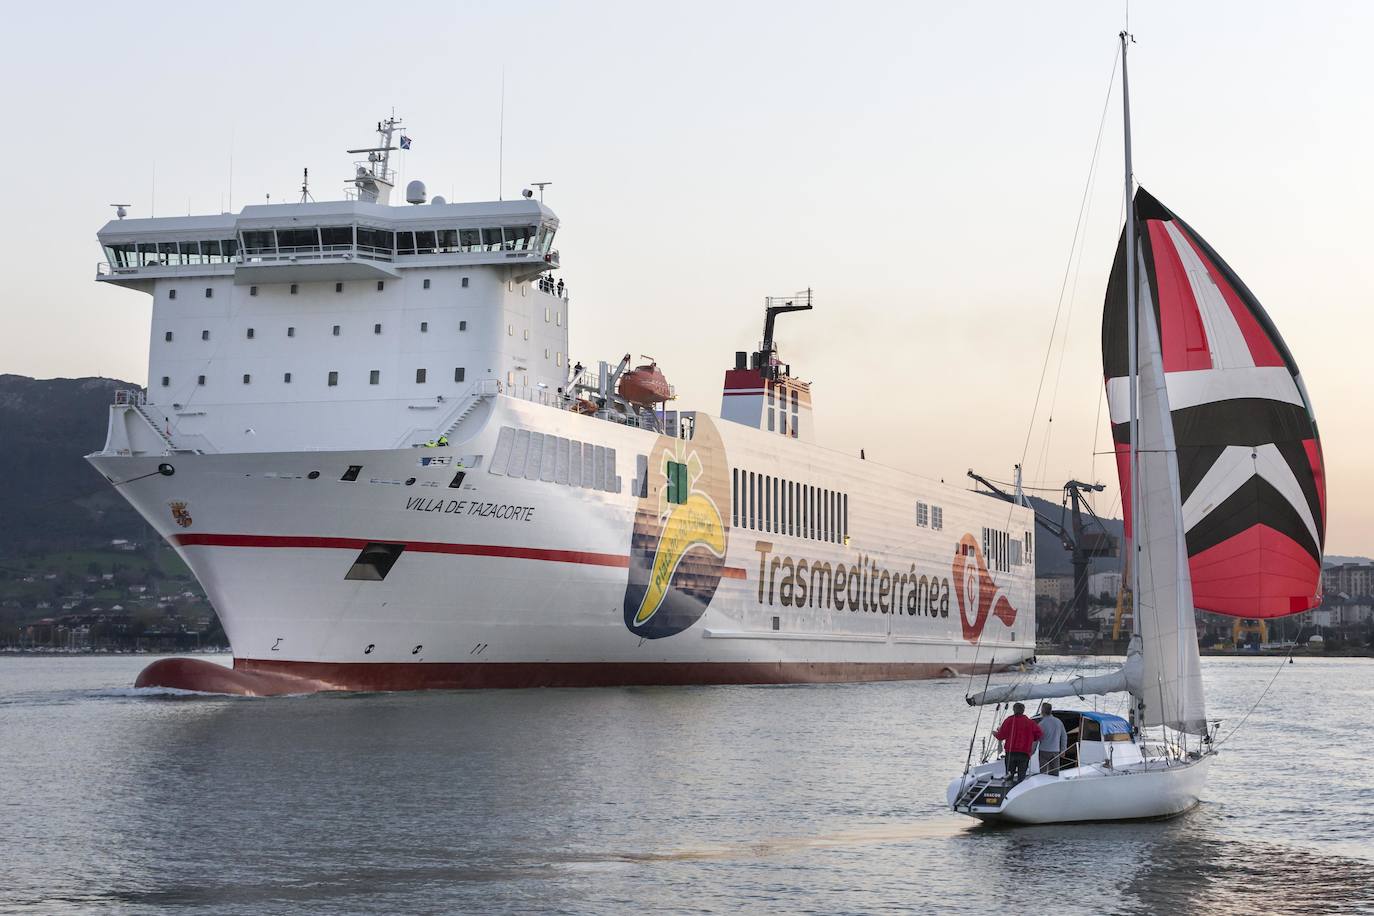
column 1111, row 725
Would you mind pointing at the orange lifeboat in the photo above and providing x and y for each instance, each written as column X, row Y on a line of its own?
column 645, row 386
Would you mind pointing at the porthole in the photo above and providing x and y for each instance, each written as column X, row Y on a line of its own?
column 313, row 475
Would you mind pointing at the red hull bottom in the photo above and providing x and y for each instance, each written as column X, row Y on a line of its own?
column 261, row 677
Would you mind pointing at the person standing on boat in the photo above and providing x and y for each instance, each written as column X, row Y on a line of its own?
column 1018, row 735
column 1053, row 741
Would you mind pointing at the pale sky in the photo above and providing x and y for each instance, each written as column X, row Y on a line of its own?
column 919, row 165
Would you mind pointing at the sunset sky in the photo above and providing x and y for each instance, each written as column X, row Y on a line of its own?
column 920, row 165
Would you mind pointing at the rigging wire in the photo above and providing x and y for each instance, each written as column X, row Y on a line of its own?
column 1074, row 246
column 1054, row 327
column 1282, row 662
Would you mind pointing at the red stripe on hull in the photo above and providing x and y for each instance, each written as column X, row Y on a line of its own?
column 470, row 550
column 263, row 677
column 468, row 675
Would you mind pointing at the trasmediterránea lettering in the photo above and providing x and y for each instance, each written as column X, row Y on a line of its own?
column 861, row 586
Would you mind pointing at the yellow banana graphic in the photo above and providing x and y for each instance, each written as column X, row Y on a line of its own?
column 695, row 523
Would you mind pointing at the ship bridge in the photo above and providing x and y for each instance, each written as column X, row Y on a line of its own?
column 344, row 324
column 338, row 240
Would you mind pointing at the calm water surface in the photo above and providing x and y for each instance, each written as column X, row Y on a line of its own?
column 821, row 799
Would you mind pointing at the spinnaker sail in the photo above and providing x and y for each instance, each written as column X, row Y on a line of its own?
column 1249, row 461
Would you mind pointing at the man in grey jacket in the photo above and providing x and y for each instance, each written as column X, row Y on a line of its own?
column 1053, row 742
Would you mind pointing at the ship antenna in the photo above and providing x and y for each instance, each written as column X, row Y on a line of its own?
column 305, row 186
column 501, row 141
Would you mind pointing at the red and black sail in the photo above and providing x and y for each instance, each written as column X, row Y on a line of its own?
column 1250, row 474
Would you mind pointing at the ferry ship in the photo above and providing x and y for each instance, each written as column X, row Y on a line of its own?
column 364, row 433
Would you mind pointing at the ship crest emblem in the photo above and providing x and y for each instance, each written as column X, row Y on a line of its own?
column 976, row 591
column 678, row 543
column 179, row 513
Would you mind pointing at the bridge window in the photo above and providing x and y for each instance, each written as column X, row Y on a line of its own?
column 424, row 242
column 379, row 241
column 491, row 240
column 521, row 238
column 259, row 242
column 336, row 236
column 446, row 240
column 469, row 240
column 297, row 239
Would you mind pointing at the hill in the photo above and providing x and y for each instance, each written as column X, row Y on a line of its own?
column 51, row 498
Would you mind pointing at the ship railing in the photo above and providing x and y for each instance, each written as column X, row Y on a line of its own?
column 315, row 252
column 130, row 397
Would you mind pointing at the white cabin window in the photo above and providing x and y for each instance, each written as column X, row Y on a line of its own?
column 166, row 381
column 204, row 335
column 290, row 332
column 424, row 327
column 374, row 377
column 420, row 376
column 922, row 515
column 459, row 374
column 251, row 333
column 333, row 379
column 167, row 337
column 286, row 378
column 937, row 517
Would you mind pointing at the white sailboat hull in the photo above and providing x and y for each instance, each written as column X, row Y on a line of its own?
column 1092, row 793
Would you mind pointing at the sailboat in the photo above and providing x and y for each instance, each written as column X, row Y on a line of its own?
column 1224, row 495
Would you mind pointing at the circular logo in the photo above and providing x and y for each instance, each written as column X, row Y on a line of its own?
column 680, row 533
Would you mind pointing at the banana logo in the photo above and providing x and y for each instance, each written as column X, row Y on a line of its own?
column 677, row 548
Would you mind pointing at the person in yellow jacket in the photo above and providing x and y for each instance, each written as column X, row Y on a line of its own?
column 443, row 442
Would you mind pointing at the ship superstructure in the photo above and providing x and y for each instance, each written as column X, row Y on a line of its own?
column 365, row 435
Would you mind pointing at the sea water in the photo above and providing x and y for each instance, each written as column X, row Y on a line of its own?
column 805, row 799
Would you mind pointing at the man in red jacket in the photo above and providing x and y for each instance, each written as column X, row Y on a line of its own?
column 1018, row 734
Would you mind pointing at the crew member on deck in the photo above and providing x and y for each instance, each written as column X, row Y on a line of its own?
column 443, row 442
column 1053, row 741
column 1018, row 735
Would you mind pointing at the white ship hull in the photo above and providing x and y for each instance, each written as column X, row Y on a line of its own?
column 509, row 581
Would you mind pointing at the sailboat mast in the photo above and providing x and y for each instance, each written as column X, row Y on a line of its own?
column 1133, row 361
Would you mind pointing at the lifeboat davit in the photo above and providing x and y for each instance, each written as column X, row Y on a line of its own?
column 645, row 386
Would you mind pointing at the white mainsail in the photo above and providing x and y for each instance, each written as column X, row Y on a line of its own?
column 1171, row 680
